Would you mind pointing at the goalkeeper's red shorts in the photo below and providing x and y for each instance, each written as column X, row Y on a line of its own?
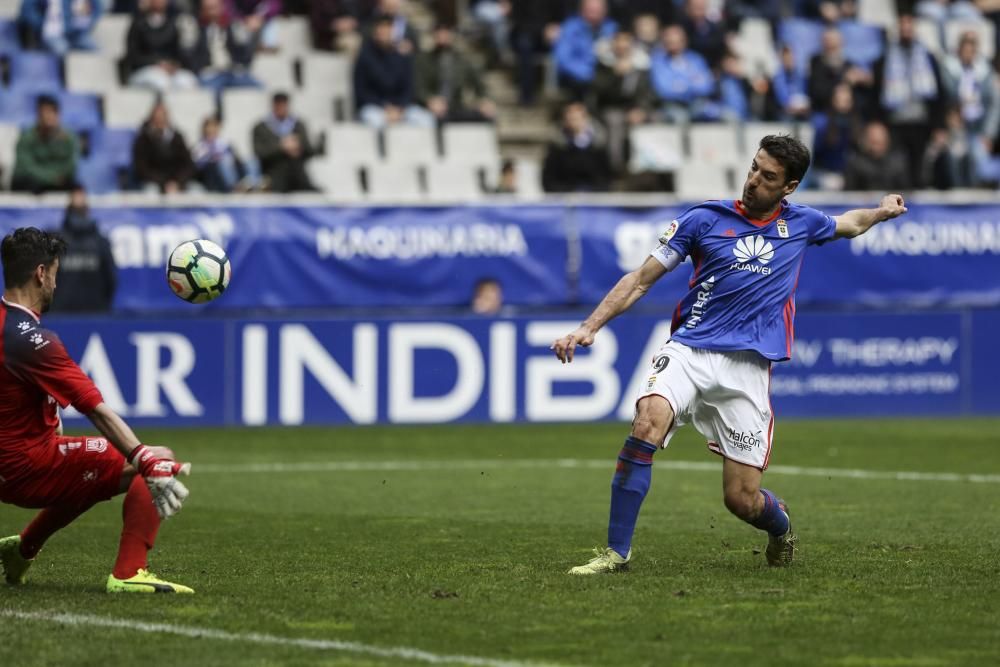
column 76, row 471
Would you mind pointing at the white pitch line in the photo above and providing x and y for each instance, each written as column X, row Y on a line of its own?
column 602, row 464
column 397, row 652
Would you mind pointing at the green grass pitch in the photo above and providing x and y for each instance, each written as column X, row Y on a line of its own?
column 469, row 558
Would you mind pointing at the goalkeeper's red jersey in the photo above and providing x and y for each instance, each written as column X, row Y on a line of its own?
column 36, row 375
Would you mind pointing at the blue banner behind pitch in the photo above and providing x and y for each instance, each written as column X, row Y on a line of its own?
column 318, row 257
column 463, row 369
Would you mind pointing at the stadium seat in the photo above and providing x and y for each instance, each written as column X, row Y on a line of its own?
column 453, row 182
column 34, row 72
column 79, row 111
column 755, row 45
column 113, row 145
column 188, row 109
column 715, row 143
column 878, row 12
column 753, row 132
column 275, row 71
column 407, row 144
column 8, row 145
column 953, row 33
column 315, row 106
column 393, row 183
column 529, row 179
column 700, row 180
column 656, row 147
column 339, row 180
column 804, row 37
column 863, row 43
column 128, row 107
column 110, row 34
column 330, row 73
column 17, row 110
column 9, row 9
column 929, row 34
column 294, row 35
column 9, row 40
column 471, row 143
column 352, row 143
column 242, row 108
column 98, row 176
column 90, row 72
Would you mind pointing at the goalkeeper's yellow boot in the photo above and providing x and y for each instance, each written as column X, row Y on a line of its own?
column 605, row 560
column 15, row 566
column 144, row 582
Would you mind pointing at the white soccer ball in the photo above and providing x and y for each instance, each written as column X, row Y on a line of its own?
column 198, row 271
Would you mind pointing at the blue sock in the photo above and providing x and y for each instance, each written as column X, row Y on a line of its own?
column 628, row 489
column 772, row 518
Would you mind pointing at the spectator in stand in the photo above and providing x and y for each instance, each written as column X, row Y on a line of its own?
column 59, row 25
column 734, row 91
column 835, row 133
column 384, row 82
column 46, row 154
column 941, row 11
column 622, row 92
column 255, row 16
column 830, row 67
column 87, row 273
column 736, row 11
column 336, row 24
column 577, row 160
column 224, row 50
column 791, row 88
column 948, row 162
column 493, row 17
column 972, row 84
column 705, row 36
column 160, row 157
column 281, row 144
column 646, row 29
column 156, row 54
column 507, row 184
column 875, row 165
column 217, row 167
column 404, row 36
column 681, row 78
column 910, row 95
column 534, row 28
column 574, row 51
column 830, row 11
column 487, row 297
column 446, row 78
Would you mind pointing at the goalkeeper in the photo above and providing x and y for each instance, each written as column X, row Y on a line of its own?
column 66, row 476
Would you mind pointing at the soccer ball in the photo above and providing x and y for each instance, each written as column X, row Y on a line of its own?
column 198, row 271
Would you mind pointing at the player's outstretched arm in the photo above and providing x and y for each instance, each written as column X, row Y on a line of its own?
column 629, row 289
column 156, row 464
column 860, row 220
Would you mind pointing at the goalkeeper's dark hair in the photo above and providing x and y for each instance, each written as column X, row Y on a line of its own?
column 790, row 153
column 24, row 249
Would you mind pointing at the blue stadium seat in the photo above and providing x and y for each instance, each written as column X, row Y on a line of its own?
column 112, row 145
column 34, row 72
column 804, row 37
column 79, row 111
column 863, row 43
column 9, row 42
column 98, row 175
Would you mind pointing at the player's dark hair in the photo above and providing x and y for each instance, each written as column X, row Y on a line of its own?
column 24, row 249
column 790, row 153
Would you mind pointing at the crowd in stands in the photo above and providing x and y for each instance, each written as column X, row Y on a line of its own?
column 912, row 102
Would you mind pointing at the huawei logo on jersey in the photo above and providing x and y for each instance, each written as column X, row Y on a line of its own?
column 753, row 247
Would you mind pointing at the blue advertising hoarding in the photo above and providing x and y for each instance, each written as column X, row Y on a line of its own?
column 385, row 257
column 365, row 371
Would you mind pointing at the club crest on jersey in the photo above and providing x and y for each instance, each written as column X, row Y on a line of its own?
column 782, row 228
column 670, row 231
column 98, row 445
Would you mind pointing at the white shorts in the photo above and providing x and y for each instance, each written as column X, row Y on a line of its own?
column 725, row 395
